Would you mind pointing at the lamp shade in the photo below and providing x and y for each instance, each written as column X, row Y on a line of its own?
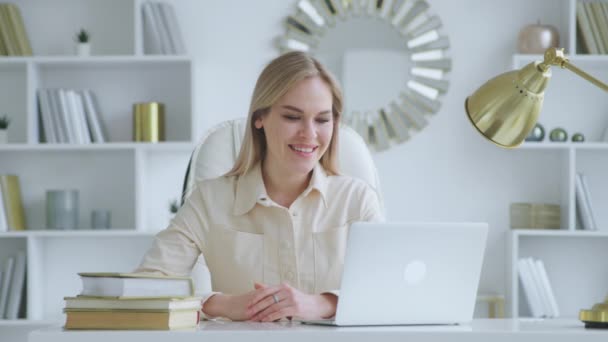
column 505, row 108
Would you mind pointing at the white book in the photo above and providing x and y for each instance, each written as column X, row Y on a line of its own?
column 523, row 269
column 135, row 285
column 165, row 44
column 9, row 264
column 46, row 117
column 16, row 289
column 3, row 219
column 96, row 126
column 595, row 29
column 548, row 289
column 66, row 116
column 585, row 28
column 82, row 116
column 582, row 204
column 177, row 41
column 78, row 120
column 588, row 200
column 151, row 34
column 544, row 299
column 58, row 120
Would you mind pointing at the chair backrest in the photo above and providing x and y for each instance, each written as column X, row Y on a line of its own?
column 218, row 149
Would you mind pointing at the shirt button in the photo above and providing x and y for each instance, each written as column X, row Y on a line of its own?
column 294, row 214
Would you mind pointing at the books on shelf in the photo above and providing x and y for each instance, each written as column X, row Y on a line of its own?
column 70, row 116
column 12, row 203
column 161, row 31
column 592, row 23
column 12, row 289
column 133, row 301
column 584, row 205
column 13, row 37
column 135, row 285
column 537, row 288
column 535, row 216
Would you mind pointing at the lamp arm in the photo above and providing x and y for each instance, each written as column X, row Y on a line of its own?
column 581, row 73
column 554, row 56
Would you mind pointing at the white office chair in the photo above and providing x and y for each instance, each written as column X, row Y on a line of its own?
column 219, row 147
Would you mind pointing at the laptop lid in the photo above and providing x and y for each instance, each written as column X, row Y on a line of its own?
column 411, row 273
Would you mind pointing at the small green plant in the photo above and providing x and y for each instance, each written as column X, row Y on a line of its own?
column 4, row 122
column 82, row 36
column 173, row 206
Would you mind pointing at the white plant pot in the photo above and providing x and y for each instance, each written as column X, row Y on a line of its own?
column 83, row 49
column 3, row 136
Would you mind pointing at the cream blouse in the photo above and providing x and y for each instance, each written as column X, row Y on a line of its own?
column 245, row 237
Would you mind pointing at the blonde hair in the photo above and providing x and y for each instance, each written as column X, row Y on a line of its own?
column 275, row 80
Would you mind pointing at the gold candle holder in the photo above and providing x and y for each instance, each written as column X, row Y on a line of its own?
column 148, row 122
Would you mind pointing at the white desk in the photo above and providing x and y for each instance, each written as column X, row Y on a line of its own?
column 495, row 330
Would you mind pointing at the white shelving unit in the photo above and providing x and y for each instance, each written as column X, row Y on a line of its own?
column 135, row 181
column 576, row 260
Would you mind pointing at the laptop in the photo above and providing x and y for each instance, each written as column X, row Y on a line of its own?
column 410, row 274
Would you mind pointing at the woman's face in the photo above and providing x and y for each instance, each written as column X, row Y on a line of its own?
column 299, row 127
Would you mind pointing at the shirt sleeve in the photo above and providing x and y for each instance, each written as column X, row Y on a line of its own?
column 176, row 249
column 371, row 210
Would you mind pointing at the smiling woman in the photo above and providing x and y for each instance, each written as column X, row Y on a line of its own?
column 391, row 56
column 272, row 230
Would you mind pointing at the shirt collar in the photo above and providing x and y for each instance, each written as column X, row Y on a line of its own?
column 250, row 188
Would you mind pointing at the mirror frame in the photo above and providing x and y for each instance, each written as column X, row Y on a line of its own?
column 428, row 50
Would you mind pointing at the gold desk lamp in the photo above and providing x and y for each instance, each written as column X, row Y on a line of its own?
column 505, row 109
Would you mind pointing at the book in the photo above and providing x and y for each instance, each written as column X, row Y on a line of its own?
column 21, row 37
column 6, row 31
column 595, row 29
column 131, row 320
column 104, row 303
column 11, row 195
column 174, row 31
column 163, row 32
column 16, row 294
column 135, row 285
column 585, row 29
column 544, row 299
column 3, row 219
column 9, row 264
column 96, row 126
column 529, row 288
column 583, row 203
column 151, row 34
column 547, row 288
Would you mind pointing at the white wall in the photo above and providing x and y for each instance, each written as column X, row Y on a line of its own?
column 447, row 172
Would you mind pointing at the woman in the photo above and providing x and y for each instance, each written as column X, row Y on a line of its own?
column 273, row 229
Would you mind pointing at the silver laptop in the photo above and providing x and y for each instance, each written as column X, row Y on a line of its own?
column 410, row 273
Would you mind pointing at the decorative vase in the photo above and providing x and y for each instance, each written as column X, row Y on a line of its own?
column 83, row 49
column 537, row 38
column 3, row 136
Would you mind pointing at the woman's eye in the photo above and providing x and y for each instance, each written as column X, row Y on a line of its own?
column 291, row 117
column 322, row 121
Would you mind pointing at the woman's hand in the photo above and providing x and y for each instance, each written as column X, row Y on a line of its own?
column 231, row 307
column 271, row 303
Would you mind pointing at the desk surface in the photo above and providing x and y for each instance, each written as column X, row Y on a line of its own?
column 494, row 330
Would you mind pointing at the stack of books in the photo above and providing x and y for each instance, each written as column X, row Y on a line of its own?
column 70, row 116
column 162, row 35
column 592, row 21
column 127, row 301
column 12, row 286
column 584, row 204
column 13, row 37
column 12, row 215
column 537, row 287
column 535, row 216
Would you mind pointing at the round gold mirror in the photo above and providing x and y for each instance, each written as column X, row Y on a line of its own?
column 390, row 55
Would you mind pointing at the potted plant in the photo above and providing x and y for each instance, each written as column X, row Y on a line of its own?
column 4, row 122
column 83, row 43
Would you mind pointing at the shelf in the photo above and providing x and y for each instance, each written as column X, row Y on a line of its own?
column 549, row 145
column 559, row 233
column 27, row 322
column 92, row 60
column 163, row 146
column 77, row 233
